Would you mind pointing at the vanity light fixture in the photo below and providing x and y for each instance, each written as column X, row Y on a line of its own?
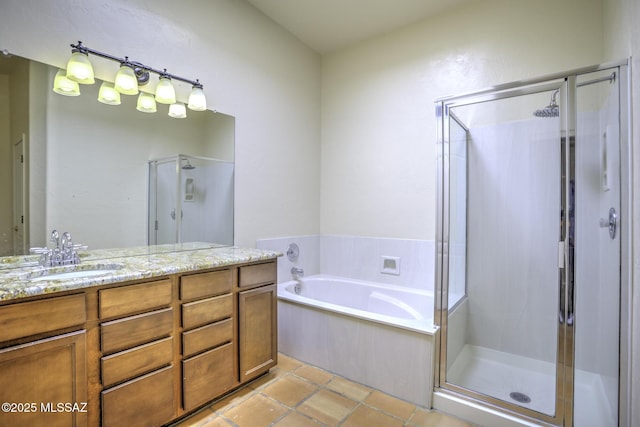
column 108, row 94
column 197, row 100
column 146, row 103
column 177, row 110
column 165, row 92
column 65, row 86
column 130, row 76
column 126, row 81
column 79, row 68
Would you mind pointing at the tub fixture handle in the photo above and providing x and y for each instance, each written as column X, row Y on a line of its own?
column 293, row 252
column 297, row 272
column 611, row 223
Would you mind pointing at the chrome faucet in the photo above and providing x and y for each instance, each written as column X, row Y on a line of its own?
column 297, row 272
column 64, row 252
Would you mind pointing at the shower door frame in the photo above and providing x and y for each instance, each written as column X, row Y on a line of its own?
column 566, row 83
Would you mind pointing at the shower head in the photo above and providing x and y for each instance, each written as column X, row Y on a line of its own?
column 550, row 110
column 188, row 166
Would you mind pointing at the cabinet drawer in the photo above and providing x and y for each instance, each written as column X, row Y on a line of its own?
column 259, row 274
column 145, row 401
column 207, row 337
column 36, row 317
column 205, row 311
column 207, row 376
column 135, row 298
column 205, row 284
column 136, row 330
column 136, row 361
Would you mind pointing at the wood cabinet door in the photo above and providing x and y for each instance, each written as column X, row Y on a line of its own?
column 147, row 401
column 45, row 382
column 257, row 313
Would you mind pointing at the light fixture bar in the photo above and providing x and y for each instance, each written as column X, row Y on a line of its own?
column 137, row 65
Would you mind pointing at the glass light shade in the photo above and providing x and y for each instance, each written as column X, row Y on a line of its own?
column 197, row 100
column 178, row 110
column 146, row 103
column 165, row 93
column 65, row 86
column 79, row 69
column 108, row 95
column 126, row 81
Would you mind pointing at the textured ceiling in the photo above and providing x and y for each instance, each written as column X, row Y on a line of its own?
column 330, row 25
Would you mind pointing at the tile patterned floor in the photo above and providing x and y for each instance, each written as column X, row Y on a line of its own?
column 295, row 394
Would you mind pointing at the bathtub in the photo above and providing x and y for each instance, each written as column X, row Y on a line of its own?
column 379, row 335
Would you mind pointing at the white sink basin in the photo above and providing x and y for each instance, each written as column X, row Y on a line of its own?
column 98, row 271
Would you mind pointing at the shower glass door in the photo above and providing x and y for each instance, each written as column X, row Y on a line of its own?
column 598, row 228
column 504, row 220
column 533, row 269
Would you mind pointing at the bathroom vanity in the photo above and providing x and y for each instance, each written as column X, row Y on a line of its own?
column 147, row 340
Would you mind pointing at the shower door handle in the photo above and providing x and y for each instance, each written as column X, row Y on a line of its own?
column 611, row 223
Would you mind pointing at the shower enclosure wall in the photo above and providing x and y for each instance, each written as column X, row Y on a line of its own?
column 533, row 248
column 190, row 200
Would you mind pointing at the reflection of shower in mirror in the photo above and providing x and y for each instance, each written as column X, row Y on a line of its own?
column 189, row 189
column 201, row 189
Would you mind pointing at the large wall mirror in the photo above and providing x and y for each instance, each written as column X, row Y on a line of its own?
column 75, row 164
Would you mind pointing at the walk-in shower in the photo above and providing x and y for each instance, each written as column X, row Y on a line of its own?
column 190, row 200
column 532, row 254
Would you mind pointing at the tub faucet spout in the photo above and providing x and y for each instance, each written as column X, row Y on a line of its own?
column 297, row 272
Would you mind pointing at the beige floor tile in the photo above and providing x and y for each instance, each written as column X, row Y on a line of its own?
column 232, row 400
column 290, row 390
column 365, row 416
column 198, row 419
column 350, row 389
column 287, row 363
column 294, row 419
column 422, row 418
column 314, row 374
column 257, row 411
column 267, row 379
column 216, row 422
column 390, row 404
column 327, row 407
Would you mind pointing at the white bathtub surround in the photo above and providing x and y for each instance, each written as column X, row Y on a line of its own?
column 308, row 258
column 385, row 341
column 391, row 350
column 358, row 257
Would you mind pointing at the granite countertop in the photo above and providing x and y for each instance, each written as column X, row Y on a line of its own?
column 123, row 265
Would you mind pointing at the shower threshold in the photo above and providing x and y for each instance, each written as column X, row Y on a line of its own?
column 529, row 383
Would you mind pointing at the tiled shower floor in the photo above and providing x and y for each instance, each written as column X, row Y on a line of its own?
column 295, row 394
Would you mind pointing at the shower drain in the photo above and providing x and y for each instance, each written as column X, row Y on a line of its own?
column 519, row 397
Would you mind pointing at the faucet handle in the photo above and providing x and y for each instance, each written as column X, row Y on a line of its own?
column 55, row 238
column 67, row 241
column 38, row 250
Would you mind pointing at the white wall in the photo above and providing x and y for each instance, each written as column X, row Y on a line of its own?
column 251, row 69
column 378, row 121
